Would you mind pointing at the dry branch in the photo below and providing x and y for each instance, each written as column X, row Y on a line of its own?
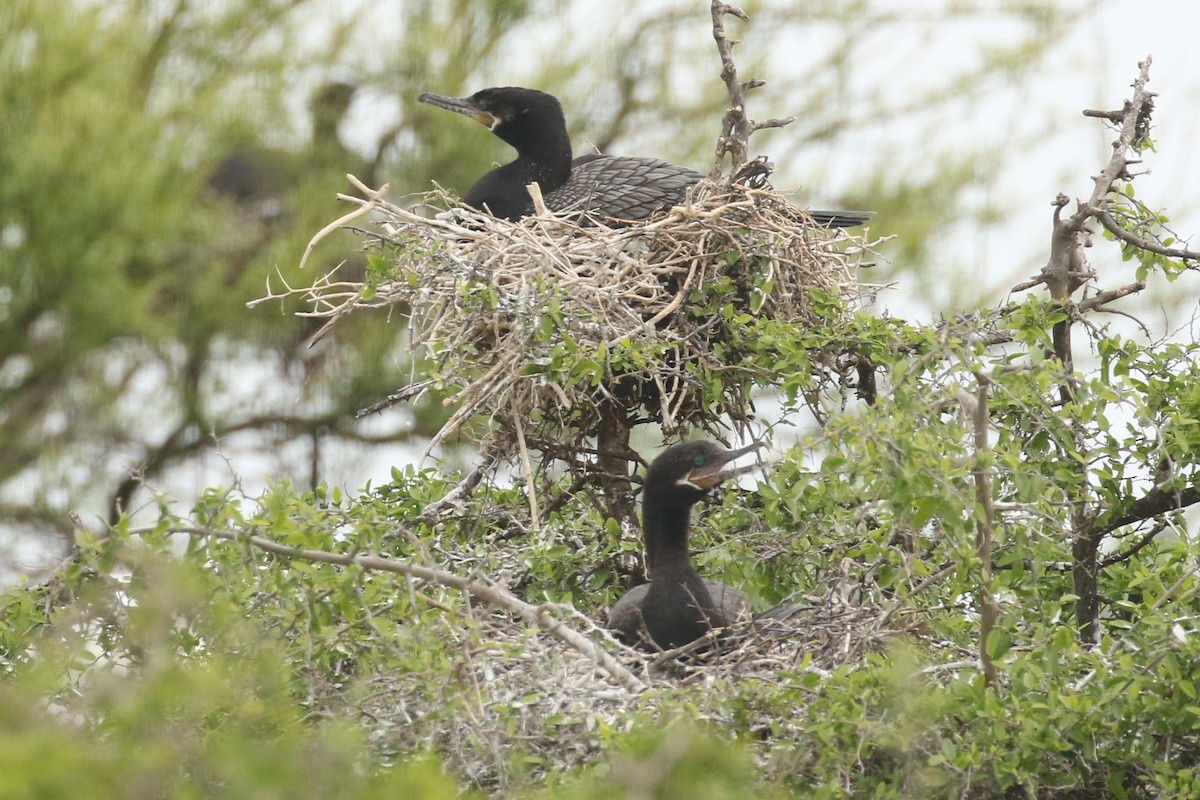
column 736, row 126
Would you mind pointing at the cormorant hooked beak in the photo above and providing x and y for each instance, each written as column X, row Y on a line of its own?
column 459, row 105
column 707, row 476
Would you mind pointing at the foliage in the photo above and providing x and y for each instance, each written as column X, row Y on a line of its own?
column 157, row 685
column 124, row 336
column 889, row 511
column 227, row 670
column 187, row 659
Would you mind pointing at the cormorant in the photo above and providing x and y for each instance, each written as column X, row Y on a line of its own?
column 258, row 178
column 677, row 606
column 618, row 187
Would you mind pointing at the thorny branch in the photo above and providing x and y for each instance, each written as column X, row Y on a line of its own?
column 1067, row 268
column 736, row 127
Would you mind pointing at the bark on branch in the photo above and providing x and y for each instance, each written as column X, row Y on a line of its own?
column 1065, row 272
column 985, row 526
column 736, row 126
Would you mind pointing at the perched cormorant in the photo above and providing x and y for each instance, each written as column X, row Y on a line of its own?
column 258, row 177
column 619, row 187
column 677, row 606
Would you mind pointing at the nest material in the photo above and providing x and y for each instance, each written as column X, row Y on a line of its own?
column 518, row 688
column 537, row 323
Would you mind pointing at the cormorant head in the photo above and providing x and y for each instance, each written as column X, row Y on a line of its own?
column 689, row 471
column 518, row 116
column 333, row 98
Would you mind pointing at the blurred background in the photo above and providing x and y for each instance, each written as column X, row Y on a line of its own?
column 163, row 162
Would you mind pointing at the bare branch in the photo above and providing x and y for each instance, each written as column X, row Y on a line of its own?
column 405, row 394
column 1135, row 125
column 1101, row 299
column 191, row 436
column 1067, row 268
column 736, row 127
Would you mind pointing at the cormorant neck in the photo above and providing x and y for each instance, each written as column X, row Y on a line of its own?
column 542, row 155
column 325, row 129
column 545, row 156
column 665, row 528
column 327, row 147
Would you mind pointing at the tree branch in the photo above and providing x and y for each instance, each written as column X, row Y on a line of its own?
column 1155, row 502
column 539, row 615
column 1142, row 541
column 1101, row 299
column 1134, row 119
column 736, row 127
column 185, row 441
column 985, row 523
column 1065, row 272
column 1141, row 243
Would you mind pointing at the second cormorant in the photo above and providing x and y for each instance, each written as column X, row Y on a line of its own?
column 615, row 187
column 678, row 606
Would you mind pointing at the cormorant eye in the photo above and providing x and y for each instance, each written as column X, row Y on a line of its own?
column 698, row 461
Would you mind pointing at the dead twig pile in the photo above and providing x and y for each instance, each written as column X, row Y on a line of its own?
column 520, row 687
column 531, row 325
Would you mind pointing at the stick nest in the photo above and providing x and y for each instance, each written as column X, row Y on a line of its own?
column 537, row 323
column 521, row 688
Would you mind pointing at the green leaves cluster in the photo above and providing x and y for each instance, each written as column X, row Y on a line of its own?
column 124, row 336
column 227, row 643
column 168, row 662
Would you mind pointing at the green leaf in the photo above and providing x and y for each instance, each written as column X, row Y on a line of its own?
column 999, row 642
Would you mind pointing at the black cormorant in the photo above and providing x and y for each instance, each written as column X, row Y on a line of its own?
column 617, row 187
column 258, row 177
column 677, row 606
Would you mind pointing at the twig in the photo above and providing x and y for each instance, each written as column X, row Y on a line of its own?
column 374, row 196
column 395, row 398
column 462, row 490
column 527, row 468
column 736, row 127
column 985, row 522
column 1141, row 243
column 1143, row 540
